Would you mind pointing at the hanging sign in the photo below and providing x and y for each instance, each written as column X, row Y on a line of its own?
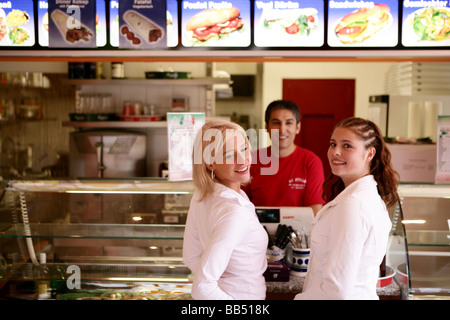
column 71, row 23
column 16, row 23
column 142, row 24
column 181, row 129
column 289, row 23
column 361, row 23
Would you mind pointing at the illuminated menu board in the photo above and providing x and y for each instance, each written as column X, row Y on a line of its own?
column 426, row 23
column 100, row 23
column 362, row 23
column 171, row 22
column 289, row 23
column 16, row 23
column 215, row 23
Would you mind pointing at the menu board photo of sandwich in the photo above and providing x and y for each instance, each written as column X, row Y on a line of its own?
column 426, row 24
column 289, row 23
column 16, row 23
column 215, row 23
column 362, row 23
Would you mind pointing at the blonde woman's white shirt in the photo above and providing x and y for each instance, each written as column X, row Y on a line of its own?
column 225, row 247
column 349, row 239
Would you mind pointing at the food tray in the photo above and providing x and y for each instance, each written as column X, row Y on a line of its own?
column 141, row 118
column 93, row 116
column 384, row 281
column 166, row 75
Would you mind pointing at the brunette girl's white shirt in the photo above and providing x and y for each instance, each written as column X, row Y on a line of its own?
column 225, row 247
column 349, row 239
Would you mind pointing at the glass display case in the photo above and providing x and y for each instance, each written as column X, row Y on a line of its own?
column 419, row 247
column 94, row 239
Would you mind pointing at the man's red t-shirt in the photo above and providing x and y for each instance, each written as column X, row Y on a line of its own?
column 297, row 182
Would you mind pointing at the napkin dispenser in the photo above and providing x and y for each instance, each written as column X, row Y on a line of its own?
column 277, row 272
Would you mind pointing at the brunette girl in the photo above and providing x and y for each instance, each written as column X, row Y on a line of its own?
column 349, row 235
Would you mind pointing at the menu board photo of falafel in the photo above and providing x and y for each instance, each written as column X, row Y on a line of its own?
column 71, row 24
column 16, row 23
column 289, row 23
column 215, row 23
column 362, row 23
column 426, row 24
column 142, row 24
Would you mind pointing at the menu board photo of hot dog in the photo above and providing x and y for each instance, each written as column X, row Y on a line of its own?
column 362, row 23
column 426, row 24
column 289, row 23
column 142, row 24
column 16, row 23
column 215, row 23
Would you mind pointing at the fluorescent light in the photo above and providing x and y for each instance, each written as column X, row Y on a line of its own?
column 418, row 221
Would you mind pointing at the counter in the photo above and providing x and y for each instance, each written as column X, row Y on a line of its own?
column 287, row 290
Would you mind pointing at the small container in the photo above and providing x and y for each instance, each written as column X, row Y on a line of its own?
column 117, row 70
column 137, row 109
column 127, row 109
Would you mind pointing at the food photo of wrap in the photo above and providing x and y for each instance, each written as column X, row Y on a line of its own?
column 289, row 27
column 142, row 26
column 71, row 35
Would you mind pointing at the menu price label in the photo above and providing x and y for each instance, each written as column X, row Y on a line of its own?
column 215, row 23
column 289, row 23
column 142, row 24
column 426, row 23
column 16, row 23
column 361, row 23
column 71, row 23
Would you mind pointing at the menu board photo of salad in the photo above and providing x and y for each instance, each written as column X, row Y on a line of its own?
column 215, row 23
column 16, row 23
column 289, row 23
column 362, row 23
column 426, row 24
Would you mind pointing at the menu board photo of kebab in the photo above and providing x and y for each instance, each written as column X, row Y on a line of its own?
column 72, row 26
column 215, row 24
column 371, row 25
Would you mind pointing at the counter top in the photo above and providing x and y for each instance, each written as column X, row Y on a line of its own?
column 295, row 285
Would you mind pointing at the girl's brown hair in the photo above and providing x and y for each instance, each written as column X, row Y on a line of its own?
column 381, row 168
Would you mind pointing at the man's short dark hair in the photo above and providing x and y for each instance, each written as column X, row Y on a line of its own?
column 282, row 104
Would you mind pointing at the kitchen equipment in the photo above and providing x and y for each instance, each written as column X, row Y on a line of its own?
column 107, row 153
column 296, row 217
column 300, row 261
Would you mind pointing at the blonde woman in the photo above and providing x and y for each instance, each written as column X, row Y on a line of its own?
column 224, row 243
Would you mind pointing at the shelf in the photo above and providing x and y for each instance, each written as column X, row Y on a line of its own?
column 425, row 190
column 94, row 231
column 115, row 124
column 153, row 82
column 150, row 186
column 427, row 238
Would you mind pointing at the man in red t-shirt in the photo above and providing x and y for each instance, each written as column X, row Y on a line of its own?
column 300, row 176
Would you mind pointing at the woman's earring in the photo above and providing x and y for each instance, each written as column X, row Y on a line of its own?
column 212, row 174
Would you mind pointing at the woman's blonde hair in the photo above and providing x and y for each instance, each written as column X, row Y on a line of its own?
column 206, row 138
